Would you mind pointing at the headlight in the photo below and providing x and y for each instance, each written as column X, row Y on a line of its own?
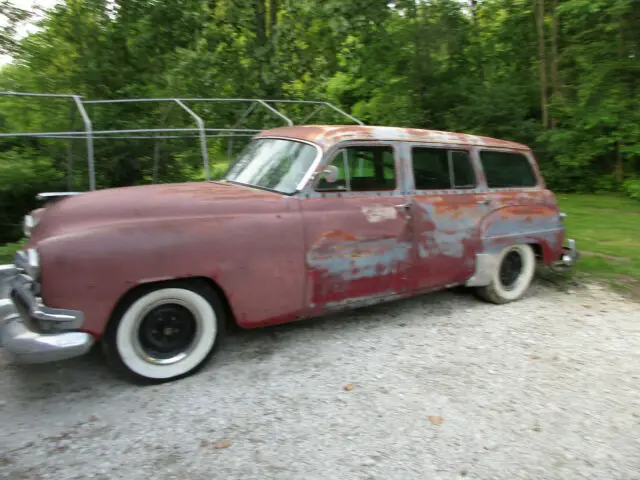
column 28, row 224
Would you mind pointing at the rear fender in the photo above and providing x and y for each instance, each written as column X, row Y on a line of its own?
column 538, row 225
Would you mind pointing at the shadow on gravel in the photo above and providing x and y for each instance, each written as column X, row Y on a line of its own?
column 82, row 377
column 246, row 346
column 89, row 377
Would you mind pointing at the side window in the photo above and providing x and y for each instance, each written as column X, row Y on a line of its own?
column 362, row 169
column 440, row 169
column 507, row 170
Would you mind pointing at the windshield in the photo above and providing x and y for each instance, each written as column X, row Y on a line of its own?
column 273, row 164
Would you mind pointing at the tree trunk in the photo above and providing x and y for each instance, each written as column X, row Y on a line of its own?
column 555, row 85
column 273, row 16
column 542, row 52
column 477, row 44
column 619, row 170
column 260, row 18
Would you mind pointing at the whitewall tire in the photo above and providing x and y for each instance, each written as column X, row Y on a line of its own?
column 166, row 332
column 513, row 274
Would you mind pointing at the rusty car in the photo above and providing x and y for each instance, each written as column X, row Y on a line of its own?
column 308, row 220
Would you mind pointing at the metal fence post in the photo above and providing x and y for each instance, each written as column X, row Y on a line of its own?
column 88, row 128
column 203, row 138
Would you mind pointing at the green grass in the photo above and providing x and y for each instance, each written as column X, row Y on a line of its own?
column 8, row 251
column 607, row 231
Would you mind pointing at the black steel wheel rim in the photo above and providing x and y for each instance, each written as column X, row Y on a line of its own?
column 510, row 269
column 166, row 331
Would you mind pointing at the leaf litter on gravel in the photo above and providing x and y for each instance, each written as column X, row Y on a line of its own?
column 436, row 419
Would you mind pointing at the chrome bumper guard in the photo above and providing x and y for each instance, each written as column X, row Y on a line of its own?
column 570, row 256
column 31, row 332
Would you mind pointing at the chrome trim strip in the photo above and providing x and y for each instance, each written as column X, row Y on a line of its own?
column 525, row 233
column 46, row 195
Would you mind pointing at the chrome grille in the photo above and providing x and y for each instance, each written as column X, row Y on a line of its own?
column 28, row 271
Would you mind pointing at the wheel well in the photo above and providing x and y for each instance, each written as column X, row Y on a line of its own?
column 537, row 250
column 138, row 289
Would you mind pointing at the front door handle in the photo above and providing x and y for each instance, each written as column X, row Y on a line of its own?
column 404, row 209
column 486, row 201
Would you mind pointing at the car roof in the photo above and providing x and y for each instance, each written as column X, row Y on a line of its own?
column 328, row 135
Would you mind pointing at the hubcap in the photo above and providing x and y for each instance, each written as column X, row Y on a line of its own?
column 510, row 270
column 167, row 332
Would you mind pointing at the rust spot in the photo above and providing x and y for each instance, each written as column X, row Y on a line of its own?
column 329, row 135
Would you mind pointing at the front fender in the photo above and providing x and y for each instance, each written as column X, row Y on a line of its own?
column 257, row 260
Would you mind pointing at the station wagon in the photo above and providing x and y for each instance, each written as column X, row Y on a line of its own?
column 308, row 220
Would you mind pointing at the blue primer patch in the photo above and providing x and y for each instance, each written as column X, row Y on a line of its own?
column 448, row 233
column 501, row 227
column 354, row 260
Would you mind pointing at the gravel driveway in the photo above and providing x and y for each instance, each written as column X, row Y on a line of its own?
column 443, row 386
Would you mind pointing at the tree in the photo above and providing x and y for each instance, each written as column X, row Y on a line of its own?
column 561, row 76
column 10, row 17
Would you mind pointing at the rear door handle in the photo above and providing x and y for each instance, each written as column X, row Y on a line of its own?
column 404, row 209
column 486, row 201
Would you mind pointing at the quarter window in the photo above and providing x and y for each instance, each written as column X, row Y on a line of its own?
column 362, row 169
column 441, row 169
column 507, row 170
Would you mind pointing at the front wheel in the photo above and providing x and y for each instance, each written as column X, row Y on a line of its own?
column 166, row 332
column 512, row 277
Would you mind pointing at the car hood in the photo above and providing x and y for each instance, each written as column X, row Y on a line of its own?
column 153, row 202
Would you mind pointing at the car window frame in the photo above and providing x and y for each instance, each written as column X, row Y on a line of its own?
column 468, row 149
column 330, row 156
column 525, row 153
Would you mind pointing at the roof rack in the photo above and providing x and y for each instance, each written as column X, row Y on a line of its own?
column 199, row 131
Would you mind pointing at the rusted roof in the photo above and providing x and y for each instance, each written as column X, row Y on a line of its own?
column 328, row 135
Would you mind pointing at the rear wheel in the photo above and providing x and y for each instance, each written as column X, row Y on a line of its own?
column 165, row 332
column 513, row 275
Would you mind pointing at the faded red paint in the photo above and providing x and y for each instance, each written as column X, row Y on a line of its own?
column 278, row 258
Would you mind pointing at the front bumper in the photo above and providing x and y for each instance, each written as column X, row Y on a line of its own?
column 31, row 332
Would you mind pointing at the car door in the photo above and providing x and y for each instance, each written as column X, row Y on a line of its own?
column 359, row 243
column 447, row 210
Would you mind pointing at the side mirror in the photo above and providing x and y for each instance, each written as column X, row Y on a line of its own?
column 330, row 174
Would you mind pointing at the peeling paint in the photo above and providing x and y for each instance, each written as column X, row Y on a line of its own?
column 379, row 213
column 360, row 259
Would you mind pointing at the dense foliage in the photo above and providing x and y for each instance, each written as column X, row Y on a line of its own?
column 560, row 75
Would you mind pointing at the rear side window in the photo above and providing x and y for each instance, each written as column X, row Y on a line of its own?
column 441, row 169
column 507, row 170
